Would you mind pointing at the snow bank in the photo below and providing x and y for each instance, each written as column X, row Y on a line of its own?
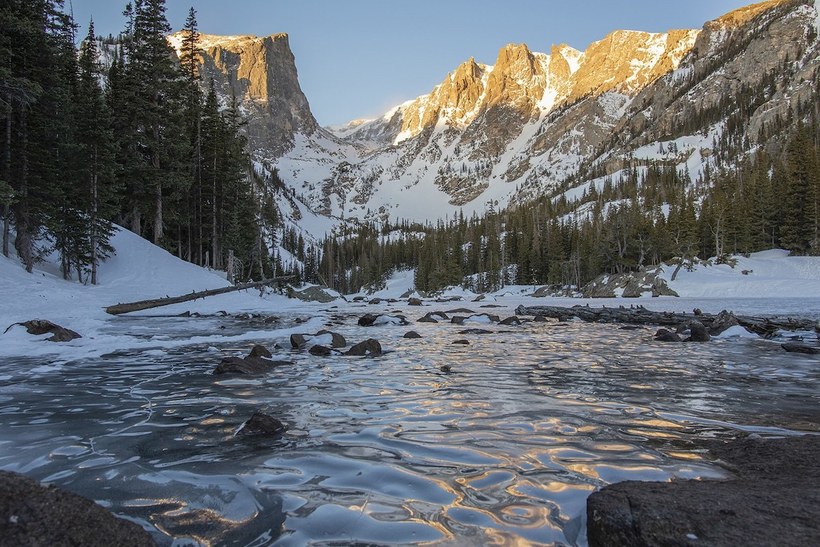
column 138, row 271
column 768, row 274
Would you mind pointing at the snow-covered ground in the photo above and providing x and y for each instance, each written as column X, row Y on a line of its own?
column 770, row 282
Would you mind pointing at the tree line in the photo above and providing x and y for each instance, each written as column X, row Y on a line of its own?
column 140, row 141
column 651, row 212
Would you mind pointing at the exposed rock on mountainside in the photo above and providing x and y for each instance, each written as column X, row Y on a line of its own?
column 261, row 73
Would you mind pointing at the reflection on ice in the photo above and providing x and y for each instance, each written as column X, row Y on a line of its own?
column 504, row 449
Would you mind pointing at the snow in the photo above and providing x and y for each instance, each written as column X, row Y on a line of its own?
column 138, row 271
column 768, row 274
column 773, row 283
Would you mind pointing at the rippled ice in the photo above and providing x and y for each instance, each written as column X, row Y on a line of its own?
column 504, row 449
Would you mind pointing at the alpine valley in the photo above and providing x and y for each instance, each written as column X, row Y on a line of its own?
column 533, row 123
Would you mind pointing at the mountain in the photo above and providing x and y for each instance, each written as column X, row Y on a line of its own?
column 532, row 123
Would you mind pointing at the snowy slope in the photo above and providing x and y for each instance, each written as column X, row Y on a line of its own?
column 139, row 271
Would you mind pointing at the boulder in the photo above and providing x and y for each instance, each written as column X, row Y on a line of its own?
column 698, row 332
column 434, row 317
column 510, row 321
column 321, row 351
column 666, row 335
column 458, row 310
column 375, row 301
column 415, row 302
column 298, row 341
column 262, row 424
column 446, row 369
column 461, row 342
column 38, row 327
column 377, row 320
column 772, row 500
column 257, row 362
column 540, row 319
column 336, row 339
column 32, row 514
column 312, row 294
column 412, row 335
column 797, row 347
column 260, row 351
column 369, row 347
column 476, row 318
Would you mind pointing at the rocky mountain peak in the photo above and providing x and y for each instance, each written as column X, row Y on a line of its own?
column 261, row 73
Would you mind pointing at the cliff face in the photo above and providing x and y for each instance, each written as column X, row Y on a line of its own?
column 261, row 73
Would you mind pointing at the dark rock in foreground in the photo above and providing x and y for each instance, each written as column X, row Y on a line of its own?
column 666, row 335
column 35, row 515
column 773, row 500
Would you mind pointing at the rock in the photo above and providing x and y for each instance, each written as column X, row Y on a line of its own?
column 722, row 322
column 413, row 335
column 359, row 298
column 257, row 362
column 38, row 327
column 375, row 302
column 666, row 335
column 34, row 515
column 312, row 294
column 337, row 340
column 445, row 368
column 697, row 311
column 796, row 347
column 480, row 298
column 698, row 332
column 540, row 319
column 298, row 341
column 260, row 351
column 773, row 500
column 449, row 299
column 415, row 302
column 476, row 331
column 434, row 317
column 476, row 318
column 458, row 310
column 262, row 424
column 369, row 347
column 368, row 319
column 321, row 351
column 461, row 342
column 510, row 321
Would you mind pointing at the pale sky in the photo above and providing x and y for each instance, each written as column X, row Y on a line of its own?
column 358, row 58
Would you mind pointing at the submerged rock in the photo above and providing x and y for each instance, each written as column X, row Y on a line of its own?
column 476, row 331
column 461, row 342
column 369, row 347
column 262, row 424
column 666, row 335
column 797, row 347
column 510, row 321
column 257, row 362
column 774, row 500
column 32, row 514
column 321, row 351
column 413, row 335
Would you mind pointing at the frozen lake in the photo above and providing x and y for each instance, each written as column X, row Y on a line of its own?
column 503, row 449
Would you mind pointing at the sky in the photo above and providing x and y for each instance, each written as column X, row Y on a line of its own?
column 359, row 58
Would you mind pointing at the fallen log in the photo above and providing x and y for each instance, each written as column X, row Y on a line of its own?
column 119, row 309
column 763, row 326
